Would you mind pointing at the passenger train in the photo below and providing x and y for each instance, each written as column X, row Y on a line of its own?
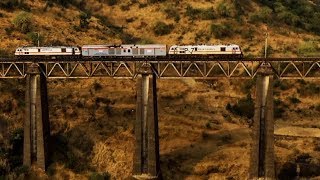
column 131, row 50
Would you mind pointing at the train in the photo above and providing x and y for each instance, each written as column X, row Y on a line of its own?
column 131, row 50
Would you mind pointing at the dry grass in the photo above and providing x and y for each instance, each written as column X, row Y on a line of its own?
column 93, row 124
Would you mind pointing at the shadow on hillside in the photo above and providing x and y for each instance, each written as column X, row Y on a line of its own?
column 181, row 163
column 74, row 146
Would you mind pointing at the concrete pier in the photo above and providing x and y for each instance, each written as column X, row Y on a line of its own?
column 262, row 153
column 36, row 125
column 146, row 157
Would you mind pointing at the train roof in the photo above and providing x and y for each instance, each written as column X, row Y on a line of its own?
column 41, row 47
column 122, row 45
column 207, row 45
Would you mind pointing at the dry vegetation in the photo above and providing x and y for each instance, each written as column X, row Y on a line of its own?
column 204, row 125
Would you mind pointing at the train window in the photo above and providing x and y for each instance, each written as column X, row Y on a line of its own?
column 141, row 51
column 195, row 49
column 63, row 50
column 38, row 50
column 129, row 50
column 118, row 50
column 135, row 51
column 111, row 51
column 124, row 50
column 223, row 49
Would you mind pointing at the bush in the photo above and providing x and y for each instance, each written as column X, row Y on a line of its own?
column 98, row 176
column 9, row 30
column 197, row 13
column 34, row 37
column 278, row 108
column 155, row 1
column 162, row 28
column 4, row 52
column 221, row 30
column 294, row 100
column 309, row 90
column 207, row 14
column 264, row 15
column 85, row 19
column 172, row 12
column 16, row 150
column 269, row 51
column 244, row 107
column 308, row 48
column 223, row 10
column 111, row 2
column 12, row 4
column 23, row 22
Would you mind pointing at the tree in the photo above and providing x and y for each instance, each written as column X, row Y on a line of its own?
column 35, row 38
column 85, row 19
column 23, row 22
column 162, row 28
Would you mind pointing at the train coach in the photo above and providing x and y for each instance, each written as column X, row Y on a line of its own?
column 230, row 50
column 48, row 51
column 128, row 50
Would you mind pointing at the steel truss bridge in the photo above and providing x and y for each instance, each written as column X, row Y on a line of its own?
column 128, row 68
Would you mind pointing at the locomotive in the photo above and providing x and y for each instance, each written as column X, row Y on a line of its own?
column 131, row 50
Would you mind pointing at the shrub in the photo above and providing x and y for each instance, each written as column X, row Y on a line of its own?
column 308, row 48
column 85, row 19
column 155, row 1
column 15, row 152
column 226, row 138
column 207, row 14
column 244, row 107
column 172, row 12
column 97, row 86
column 223, row 10
column 309, row 90
column 4, row 52
column 162, row 28
column 264, row 15
column 288, row 171
column 283, row 85
column 269, row 51
column 12, row 4
column 23, row 22
column 197, row 13
column 247, row 85
column 99, row 176
column 34, row 37
column 221, row 30
column 9, row 30
column 111, row 2
column 278, row 108
column 294, row 100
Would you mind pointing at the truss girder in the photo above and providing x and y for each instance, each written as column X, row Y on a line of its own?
column 165, row 69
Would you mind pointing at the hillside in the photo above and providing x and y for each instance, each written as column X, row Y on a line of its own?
column 292, row 27
column 205, row 126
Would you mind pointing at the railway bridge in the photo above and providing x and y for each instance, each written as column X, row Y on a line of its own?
column 147, row 71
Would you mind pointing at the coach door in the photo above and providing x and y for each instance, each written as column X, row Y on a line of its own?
column 73, row 51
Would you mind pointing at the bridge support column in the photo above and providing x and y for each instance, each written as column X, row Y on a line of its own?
column 146, row 157
column 262, row 153
column 36, row 125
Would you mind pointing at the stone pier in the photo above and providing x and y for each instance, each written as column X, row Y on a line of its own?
column 262, row 153
column 146, row 157
column 36, row 125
